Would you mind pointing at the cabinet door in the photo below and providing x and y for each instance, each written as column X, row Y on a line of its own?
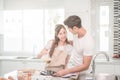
column 8, row 66
column 35, row 65
column 0, row 69
column 104, row 68
column 117, row 69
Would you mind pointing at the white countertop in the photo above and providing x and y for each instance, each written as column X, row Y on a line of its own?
column 19, row 58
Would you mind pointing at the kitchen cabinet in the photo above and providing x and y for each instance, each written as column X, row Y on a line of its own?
column 113, row 66
column 9, row 63
column 104, row 68
column 35, row 65
column 117, row 69
column 8, row 66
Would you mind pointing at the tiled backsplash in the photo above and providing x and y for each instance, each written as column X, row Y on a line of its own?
column 116, row 26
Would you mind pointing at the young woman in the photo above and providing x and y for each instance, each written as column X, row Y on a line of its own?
column 59, row 49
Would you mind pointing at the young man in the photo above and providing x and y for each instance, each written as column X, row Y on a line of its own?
column 84, row 46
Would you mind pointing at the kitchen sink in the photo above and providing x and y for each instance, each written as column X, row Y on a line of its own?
column 22, row 57
column 25, row 57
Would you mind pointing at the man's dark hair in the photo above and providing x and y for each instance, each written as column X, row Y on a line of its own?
column 72, row 21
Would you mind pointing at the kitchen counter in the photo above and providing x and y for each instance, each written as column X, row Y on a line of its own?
column 19, row 58
column 33, row 59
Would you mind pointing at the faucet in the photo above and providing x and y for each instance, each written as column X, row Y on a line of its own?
column 93, row 62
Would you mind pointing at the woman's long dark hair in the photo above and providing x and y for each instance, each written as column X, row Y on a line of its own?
column 56, row 40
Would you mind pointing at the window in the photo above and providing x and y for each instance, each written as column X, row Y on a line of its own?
column 104, row 28
column 12, row 31
column 29, row 30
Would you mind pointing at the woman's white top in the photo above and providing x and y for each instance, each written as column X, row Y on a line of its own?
column 68, row 48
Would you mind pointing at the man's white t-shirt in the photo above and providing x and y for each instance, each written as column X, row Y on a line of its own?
column 84, row 47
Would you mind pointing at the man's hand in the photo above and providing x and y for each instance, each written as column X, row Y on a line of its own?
column 60, row 73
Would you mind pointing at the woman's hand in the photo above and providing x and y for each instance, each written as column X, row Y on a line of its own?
column 43, row 52
column 60, row 73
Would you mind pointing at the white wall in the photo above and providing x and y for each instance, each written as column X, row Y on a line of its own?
column 32, row 4
column 1, row 16
column 1, row 27
column 80, row 8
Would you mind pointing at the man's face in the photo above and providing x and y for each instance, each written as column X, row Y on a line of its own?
column 73, row 31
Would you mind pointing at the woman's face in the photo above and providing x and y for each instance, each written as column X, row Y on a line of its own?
column 62, row 35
